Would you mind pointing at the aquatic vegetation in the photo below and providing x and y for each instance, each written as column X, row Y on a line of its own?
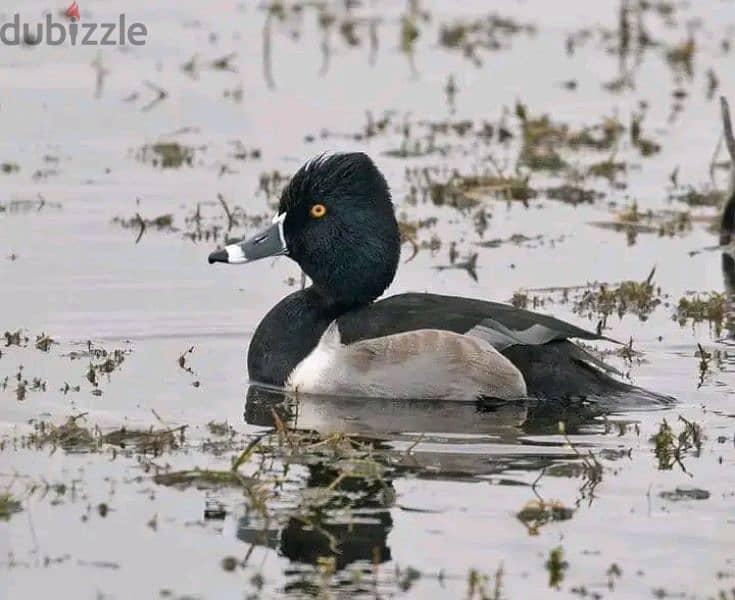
column 601, row 136
column 74, row 435
column 159, row 95
column 467, row 264
column 204, row 226
column 682, row 493
column 608, row 169
column 537, row 513
column 167, row 155
column 639, row 298
column 67, row 388
column 182, row 361
column 484, row 587
column 243, row 153
column 203, row 479
column 201, row 225
column 574, row 195
column 519, row 300
column 468, row 191
column 220, row 429
column 25, row 205
column 271, row 184
column 556, row 567
column 646, row 146
column 23, row 385
column 193, row 67
column 70, row 435
column 352, row 30
column 8, row 506
column 670, row 448
column 410, row 33
column 108, row 363
column 703, row 307
column 591, row 470
column 681, row 56
column 696, row 198
column 517, row 239
column 541, row 138
column 44, row 342
column 410, row 234
column 15, row 338
column 633, row 222
column 160, row 223
column 151, row 441
column 491, row 33
column 507, row 188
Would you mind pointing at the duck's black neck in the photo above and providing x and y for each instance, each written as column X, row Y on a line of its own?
column 289, row 332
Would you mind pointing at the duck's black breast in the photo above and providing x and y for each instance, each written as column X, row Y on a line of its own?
column 286, row 335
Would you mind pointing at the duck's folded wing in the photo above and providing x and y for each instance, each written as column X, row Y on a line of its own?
column 500, row 337
column 424, row 363
column 504, row 325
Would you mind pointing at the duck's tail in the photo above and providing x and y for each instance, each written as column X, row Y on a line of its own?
column 563, row 370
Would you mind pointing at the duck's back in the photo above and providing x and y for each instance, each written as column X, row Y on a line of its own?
column 407, row 312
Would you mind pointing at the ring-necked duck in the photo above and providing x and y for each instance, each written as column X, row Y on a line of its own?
column 336, row 221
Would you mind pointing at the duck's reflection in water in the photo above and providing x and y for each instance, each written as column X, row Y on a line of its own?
column 311, row 538
column 458, row 441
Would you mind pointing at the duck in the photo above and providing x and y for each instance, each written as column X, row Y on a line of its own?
column 336, row 337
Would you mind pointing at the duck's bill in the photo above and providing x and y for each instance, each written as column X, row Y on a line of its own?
column 269, row 242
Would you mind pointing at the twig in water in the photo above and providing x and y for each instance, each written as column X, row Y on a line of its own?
column 230, row 218
column 142, row 224
column 416, row 443
column 161, row 95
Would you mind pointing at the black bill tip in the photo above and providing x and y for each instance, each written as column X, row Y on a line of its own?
column 218, row 256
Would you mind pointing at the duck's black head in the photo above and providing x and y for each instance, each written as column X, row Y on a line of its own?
column 336, row 221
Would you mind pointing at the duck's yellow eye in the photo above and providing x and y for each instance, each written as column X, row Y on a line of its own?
column 318, row 211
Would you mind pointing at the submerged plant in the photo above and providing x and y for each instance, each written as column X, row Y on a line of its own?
column 167, row 155
column 479, row 585
column 698, row 308
column 556, row 567
column 629, row 297
column 669, row 447
column 74, row 435
column 537, row 513
column 8, row 506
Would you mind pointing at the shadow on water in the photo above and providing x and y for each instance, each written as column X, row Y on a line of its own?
column 451, row 441
column 388, row 420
